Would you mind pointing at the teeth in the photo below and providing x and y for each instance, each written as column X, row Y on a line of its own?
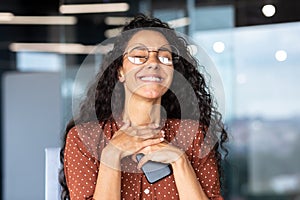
column 151, row 78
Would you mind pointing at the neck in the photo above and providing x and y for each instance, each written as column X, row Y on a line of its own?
column 142, row 112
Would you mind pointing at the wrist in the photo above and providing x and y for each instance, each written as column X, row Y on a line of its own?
column 180, row 162
column 111, row 157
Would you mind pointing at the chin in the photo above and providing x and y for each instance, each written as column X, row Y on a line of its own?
column 152, row 94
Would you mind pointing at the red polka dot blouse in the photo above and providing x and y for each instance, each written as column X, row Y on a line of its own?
column 84, row 145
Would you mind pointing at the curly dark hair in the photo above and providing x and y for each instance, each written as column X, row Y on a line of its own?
column 104, row 97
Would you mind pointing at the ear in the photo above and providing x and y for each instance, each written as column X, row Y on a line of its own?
column 121, row 75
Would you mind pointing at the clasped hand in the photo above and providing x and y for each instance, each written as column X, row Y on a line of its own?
column 149, row 140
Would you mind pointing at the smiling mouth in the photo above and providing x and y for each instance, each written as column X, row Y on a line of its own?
column 151, row 79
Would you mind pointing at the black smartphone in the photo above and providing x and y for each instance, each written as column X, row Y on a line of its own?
column 154, row 171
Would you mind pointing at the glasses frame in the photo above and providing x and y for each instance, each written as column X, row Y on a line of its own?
column 174, row 51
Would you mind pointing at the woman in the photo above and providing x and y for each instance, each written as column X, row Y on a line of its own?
column 134, row 107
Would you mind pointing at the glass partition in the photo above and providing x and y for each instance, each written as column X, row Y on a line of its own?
column 259, row 67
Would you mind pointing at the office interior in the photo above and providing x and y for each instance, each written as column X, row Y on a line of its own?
column 47, row 48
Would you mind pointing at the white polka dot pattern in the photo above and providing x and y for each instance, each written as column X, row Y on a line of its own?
column 86, row 141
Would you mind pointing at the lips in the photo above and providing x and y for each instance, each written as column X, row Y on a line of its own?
column 151, row 78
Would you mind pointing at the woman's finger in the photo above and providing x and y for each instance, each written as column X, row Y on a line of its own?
column 144, row 160
column 147, row 134
column 149, row 126
column 150, row 142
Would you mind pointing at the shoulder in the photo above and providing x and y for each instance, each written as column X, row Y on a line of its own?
column 87, row 137
column 88, row 130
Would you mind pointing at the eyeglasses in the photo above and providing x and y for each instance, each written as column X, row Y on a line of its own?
column 139, row 54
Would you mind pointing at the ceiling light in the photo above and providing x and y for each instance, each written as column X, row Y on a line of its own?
column 219, row 47
column 38, row 20
column 281, row 55
column 61, row 48
column 109, row 33
column 179, row 22
column 93, row 8
column 122, row 20
column 115, row 21
column 6, row 16
column 268, row 10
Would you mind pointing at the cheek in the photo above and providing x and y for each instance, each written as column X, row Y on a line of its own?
column 170, row 73
column 128, row 68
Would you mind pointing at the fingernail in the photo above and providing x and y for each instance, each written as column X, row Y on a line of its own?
column 162, row 139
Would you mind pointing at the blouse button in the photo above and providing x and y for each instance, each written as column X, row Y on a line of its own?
column 146, row 191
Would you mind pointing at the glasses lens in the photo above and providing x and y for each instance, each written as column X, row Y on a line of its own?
column 168, row 54
column 138, row 55
column 165, row 56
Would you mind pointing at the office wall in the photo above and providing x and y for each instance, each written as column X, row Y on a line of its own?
column 31, row 122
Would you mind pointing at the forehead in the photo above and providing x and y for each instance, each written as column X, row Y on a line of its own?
column 148, row 38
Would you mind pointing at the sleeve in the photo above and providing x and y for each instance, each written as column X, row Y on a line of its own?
column 205, row 166
column 80, row 167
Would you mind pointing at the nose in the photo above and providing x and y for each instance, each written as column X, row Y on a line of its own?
column 153, row 62
column 152, row 65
